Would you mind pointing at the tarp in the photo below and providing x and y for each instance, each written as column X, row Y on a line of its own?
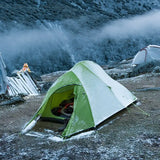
column 22, row 84
column 3, row 76
column 96, row 97
column 13, row 86
column 147, row 54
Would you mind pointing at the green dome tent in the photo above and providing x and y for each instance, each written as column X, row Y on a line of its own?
column 96, row 97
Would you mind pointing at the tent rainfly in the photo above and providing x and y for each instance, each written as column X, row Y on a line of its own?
column 147, row 54
column 96, row 97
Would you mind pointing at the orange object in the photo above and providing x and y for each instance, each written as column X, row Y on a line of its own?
column 26, row 68
column 66, row 106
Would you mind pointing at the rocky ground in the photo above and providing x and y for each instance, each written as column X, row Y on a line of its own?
column 131, row 134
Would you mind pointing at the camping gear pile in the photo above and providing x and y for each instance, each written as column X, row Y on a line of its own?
column 22, row 84
column 95, row 94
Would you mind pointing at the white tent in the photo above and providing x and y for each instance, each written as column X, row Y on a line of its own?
column 147, row 54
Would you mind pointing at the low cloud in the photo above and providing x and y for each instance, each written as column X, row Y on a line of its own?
column 137, row 26
column 53, row 46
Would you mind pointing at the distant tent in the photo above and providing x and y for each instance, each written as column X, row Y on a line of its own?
column 3, row 76
column 96, row 97
column 147, row 54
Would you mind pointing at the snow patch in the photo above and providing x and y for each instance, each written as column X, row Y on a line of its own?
column 23, row 153
column 10, row 138
column 35, row 134
column 82, row 135
column 2, row 154
column 50, row 136
column 56, row 139
column 49, row 131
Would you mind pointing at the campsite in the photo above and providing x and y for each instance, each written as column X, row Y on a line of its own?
column 131, row 133
column 79, row 80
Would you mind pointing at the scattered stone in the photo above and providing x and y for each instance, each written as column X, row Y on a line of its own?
column 13, row 100
column 156, row 69
column 138, row 103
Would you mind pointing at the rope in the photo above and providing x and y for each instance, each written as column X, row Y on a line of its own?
column 145, row 113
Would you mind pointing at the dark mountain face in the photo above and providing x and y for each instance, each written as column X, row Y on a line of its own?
column 54, row 35
column 95, row 11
